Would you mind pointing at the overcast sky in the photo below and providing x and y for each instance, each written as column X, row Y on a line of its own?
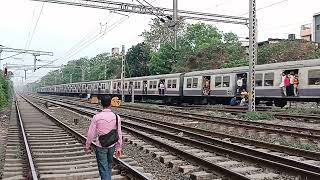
column 62, row 27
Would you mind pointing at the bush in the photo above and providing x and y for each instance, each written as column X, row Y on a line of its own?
column 5, row 91
column 255, row 116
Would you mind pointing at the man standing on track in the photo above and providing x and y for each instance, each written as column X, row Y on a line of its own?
column 103, row 124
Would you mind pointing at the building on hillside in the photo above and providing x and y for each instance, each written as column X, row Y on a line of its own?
column 316, row 28
column 306, row 32
column 311, row 32
column 115, row 51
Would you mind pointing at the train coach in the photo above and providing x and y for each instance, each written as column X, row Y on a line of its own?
column 206, row 87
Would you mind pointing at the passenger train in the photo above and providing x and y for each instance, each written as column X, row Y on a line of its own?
column 220, row 85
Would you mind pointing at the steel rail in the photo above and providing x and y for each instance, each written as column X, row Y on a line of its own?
column 305, row 173
column 32, row 167
column 313, row 134
column 256, row 156
column 137, row 174
column 261, row 144
column 293, row 131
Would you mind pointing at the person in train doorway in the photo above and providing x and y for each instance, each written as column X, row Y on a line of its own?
column 145, row 88
column 244, row 82
column 282, row 84
column 239, row 85
column 161, row 88
column 296, row 84
column 287, row 85
column 105, row 124
column 291, row 78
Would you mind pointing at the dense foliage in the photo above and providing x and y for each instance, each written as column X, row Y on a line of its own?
column 200, row 47
column 5, row 91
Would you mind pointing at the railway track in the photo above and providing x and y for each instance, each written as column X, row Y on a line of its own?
column 313, row 118
column 274, row 131
column 194, row 138
column 54, row 150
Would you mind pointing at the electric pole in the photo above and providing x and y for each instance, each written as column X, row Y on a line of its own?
column 0, row 58
column 175, row 21
column 70, row 78
column 252, row 53
column 105, row 72
column 123, row 73
column 82, row 73
column 25, row 74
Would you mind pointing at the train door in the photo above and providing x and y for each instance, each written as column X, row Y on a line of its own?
column 161, row 87
column 145, row 87
column 206, row 85
column 291, row 87
column 241, row 83
column 130, row 87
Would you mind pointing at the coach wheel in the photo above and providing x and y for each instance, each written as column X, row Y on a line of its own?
column 280, row 103
column 269, row 103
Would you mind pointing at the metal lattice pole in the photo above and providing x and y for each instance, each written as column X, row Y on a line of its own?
column 175, row 21
column 252, row 53
column 123, row 73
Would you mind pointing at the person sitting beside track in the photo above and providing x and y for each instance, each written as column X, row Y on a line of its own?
column 234, row 101
column 103, row 124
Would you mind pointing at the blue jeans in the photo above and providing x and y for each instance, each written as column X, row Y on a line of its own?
column 104, row 160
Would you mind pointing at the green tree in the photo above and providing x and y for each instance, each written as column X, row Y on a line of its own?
column 138, row 59
column 287, row 51
column 6, row 90
column 160, row 33
column 202, row 47
column 162, row 61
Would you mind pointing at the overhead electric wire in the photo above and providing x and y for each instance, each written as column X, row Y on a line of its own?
column 35, row 27
column 30, row 28
column 86, row 38
column 264, row 7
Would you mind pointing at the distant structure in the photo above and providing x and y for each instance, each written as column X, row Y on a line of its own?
column 306, row 32
column 311, row 32
column 115, row 51
column 316, row 27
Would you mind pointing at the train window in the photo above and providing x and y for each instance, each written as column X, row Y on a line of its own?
column 314, row 77
column 126, row 85
column 139, row 85
column 218, row 81
column 136, row 85
column 189, row 82
column 114, row 85
column 154, row 85
column 95, row 86
column 226, row 81
column 169, row 84
column 195, row 83
column 103, row 86
column 258, row 79
column 174, row 83
column 150, row 84
column 268, row 79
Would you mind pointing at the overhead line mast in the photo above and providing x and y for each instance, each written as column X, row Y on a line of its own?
column 183, row 14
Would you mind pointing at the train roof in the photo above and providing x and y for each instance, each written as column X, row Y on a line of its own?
column 263, row 67
column 161, row 76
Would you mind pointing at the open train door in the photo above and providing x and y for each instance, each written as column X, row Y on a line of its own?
column 206, row 81
column 241, row 82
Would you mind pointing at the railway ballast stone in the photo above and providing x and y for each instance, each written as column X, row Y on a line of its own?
column 167, row 158
column 202, row 175
column 175, row 162
column 263, row 176
column 245, row 169
column 187, row 168
column 228, row 163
